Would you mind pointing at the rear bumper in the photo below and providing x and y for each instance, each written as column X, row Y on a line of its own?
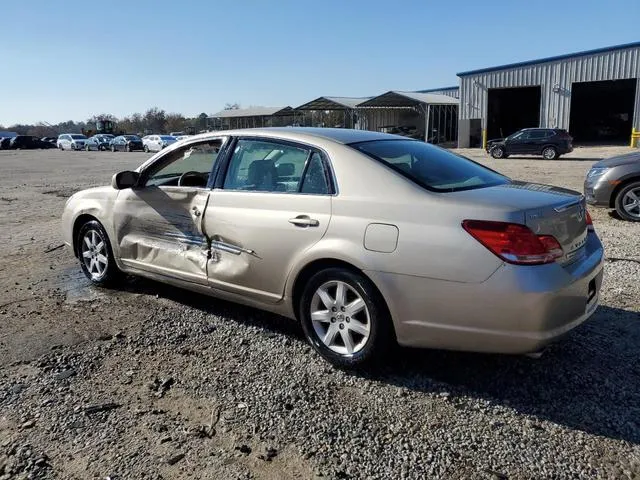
column 564, row 150
column 519, row 309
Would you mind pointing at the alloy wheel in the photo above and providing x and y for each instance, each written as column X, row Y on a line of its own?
column 631, row 202
column 549, row 153
column 94, row 254
column 497, row 152
column 340, row 317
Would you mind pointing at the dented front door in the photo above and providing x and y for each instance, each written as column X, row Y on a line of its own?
column 159, row 229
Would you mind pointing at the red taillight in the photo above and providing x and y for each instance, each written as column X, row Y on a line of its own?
column 589, row 221
column 514, row 243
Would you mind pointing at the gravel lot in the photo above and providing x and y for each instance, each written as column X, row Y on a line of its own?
column 152, row 382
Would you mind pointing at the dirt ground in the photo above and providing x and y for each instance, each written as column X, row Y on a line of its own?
column 47, row 306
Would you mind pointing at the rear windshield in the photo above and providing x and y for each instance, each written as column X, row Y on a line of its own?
column 131, row 137
column 78, row 137
column 431, row 167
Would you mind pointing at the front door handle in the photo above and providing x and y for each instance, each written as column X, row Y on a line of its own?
column 304, row 221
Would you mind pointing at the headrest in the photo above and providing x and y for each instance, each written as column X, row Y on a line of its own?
column 286, row 169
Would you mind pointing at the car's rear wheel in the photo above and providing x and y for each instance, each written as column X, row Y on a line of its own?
column 95, row 254
column 127, row 148
column 627, row 202
column 345, row 319
column 60, row 147
column 497, row 152
column 87, row 148
column 549, row 153
column 146, row 149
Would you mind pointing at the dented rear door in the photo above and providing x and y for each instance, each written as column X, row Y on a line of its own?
column 159, row 229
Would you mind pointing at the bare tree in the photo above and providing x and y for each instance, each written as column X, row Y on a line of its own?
column 175, row 122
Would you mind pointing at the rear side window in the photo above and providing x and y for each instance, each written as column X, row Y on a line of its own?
column 431, row 167
column 537, row 134
column 315, row 178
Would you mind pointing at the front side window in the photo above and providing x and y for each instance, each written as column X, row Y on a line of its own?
column 266, row 166
column 429, row 166
column 188, row 166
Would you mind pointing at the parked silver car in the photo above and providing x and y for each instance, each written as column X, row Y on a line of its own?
column 366, row 238
column 615, row 183
column 99, row 142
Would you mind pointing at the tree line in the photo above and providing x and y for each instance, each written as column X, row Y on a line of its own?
column 154, row 120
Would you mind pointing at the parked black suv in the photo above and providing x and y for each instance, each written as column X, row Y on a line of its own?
column 548, row 142
column 28, row 142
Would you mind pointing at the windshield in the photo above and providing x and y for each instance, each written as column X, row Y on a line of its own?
column 78, row 137
column 431, row 167
column 167, row 137
column 131, row 137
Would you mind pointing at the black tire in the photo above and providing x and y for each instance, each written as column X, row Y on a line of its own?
column 110, row 273
column 61, row 147
column 497, row 152
column 146, row 149
column 87, row 148
column 619, row 201
column 549, row 153
column 381, row 334
column 127, row 148
column 113, row 148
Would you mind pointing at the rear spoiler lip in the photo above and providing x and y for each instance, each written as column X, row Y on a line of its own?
column 568, row 205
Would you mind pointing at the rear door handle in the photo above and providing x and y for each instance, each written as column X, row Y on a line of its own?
column 304, row 221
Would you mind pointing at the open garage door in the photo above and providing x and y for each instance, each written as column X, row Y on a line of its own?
column 510, row 109
column 602, row 112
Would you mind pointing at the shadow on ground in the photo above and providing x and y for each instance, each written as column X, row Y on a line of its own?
column 568, row 159
column 589, row 381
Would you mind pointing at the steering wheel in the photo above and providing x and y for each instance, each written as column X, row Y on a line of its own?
column 185, row 176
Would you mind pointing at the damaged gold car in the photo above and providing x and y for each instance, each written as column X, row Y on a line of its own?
column 367, row 238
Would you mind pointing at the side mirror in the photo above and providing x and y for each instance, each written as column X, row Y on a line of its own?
column 126, row 179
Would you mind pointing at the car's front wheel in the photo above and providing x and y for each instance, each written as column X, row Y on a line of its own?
column 113, row 148
column 627, row 202
column 345, row 318
column 95, row 254
column 497, row 152
column 146, row 149
column 549, row 153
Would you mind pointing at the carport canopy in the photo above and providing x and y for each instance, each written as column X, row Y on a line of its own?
column 333, row 103
column 399, row 99
column 253, row 112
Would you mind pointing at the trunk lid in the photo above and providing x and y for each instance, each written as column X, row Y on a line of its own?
column 566, row 222
column 545, row 209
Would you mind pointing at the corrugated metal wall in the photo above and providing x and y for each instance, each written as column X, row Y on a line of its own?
column 556, row 75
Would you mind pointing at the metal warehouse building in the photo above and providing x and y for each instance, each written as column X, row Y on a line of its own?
column 595, row 95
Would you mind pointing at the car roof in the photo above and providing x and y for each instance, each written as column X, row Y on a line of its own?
column 339, row 135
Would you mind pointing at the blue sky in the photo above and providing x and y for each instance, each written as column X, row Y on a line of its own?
column 72, row 59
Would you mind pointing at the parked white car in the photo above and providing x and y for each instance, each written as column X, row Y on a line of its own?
column 155, row 143
column 71, row 141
